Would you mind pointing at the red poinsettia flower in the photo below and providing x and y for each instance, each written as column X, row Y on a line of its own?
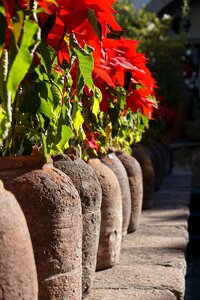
column 140, row 100
column 73, row 14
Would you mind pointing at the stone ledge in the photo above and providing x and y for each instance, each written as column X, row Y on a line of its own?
column 152, row 265
column 130, row 294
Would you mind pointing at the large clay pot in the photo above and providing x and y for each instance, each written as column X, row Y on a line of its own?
column 134, row 173
column 89, row 189
column 117, row 167
column 18, row 277
column 109, row 248
column 52, row 208
column 142, row 156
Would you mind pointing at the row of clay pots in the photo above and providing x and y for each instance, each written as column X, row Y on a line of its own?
column 58, row 206
column 63, row 207
column 120, row 207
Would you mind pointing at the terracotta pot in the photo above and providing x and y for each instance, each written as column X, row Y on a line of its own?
column 111, row 216
column 89, row 189
column 142, row 156
column 134, row 173
column 18, row 277
column 52, row 208
column 117, row 167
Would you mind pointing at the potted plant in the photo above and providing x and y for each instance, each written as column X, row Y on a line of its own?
column 34, row 120
column 62, row 83
column 128, row 101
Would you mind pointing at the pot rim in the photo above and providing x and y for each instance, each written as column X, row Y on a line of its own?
column 23, row 161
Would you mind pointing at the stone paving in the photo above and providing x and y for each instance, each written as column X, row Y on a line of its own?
column 153, row 264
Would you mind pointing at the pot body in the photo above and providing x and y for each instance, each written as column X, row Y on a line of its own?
column 89, row 189
column 18, row 276
column 117, row 167
column 134, row 173
column 148, row 174
column 52, row 209
column 109, row 247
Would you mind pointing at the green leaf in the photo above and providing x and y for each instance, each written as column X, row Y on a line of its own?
column 5, row 98
column 66, row 134
column 57, row 96
column 85, row 60
column 97, row 97
column 45, row 108
column 77, row 116
column 24, row 56
column 94, row 22
column 46, row 56
column 59, row 133
column 4, row 124
column 18, row 21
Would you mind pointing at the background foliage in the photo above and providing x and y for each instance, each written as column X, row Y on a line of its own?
column 165, row 52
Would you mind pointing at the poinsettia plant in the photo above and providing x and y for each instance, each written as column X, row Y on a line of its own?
column 128, row 98
column 64, row 81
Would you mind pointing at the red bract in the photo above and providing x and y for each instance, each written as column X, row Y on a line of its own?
column 91, row 141
column 73, row 14
column 140, row 100
column 104, row 12
column 23, row 4
column 55, row 40
column 10, row 7
column 140, row 73
column 116, row 61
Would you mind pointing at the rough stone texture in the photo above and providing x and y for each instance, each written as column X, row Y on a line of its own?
column 117, row 167
column 111, row 216
column 18, row 277
column 142, row 156
column 133, row 294
column 152, row 264
column 89, row 189
column 134, row 173
column 169, row 216
column 52, row 208
column 163, row 256
column 140, row 276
